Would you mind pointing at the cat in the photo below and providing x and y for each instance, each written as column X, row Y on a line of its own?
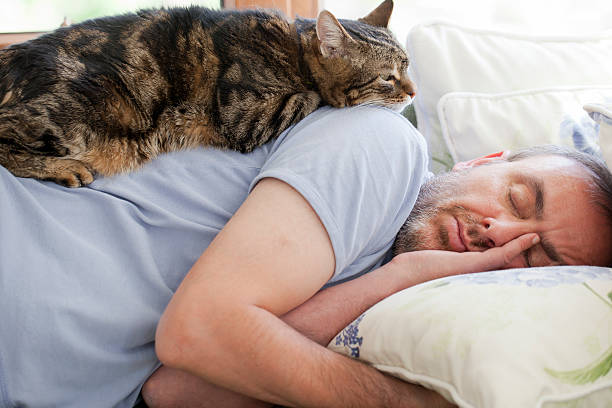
column 106, row 95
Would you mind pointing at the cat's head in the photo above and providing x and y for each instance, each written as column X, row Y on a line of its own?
column 360, row 61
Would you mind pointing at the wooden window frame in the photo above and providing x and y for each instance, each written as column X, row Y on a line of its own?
column 291, row 8
column 13, row 38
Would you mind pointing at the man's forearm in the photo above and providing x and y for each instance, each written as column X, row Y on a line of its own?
column 333, row 380
column 299, row 372
column 319, row 319
column 332, row 309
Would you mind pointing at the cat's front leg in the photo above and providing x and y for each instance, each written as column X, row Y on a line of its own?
column 300, row 105
column 296, row 107
column 67, row 172
column 32, row 146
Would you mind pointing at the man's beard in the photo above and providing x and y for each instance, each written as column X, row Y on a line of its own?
column 437, row 196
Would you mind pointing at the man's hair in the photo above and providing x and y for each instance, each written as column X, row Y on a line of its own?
column 600, row 176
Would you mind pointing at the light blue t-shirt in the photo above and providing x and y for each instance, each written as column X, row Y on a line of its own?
column 85, row 274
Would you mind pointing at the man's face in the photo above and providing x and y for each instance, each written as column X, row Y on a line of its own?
column 490, row 205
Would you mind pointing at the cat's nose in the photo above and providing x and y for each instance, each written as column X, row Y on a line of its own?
column 409, row 87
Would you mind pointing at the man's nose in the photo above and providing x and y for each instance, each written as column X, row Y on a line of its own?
column 498, row 232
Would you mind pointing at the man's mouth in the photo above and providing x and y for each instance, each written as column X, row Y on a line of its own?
column 455, row 236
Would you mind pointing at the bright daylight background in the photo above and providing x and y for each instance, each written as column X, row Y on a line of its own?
column 549, row 17
column 532, row 16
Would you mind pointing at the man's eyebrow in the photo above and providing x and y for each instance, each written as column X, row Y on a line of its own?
column 536, row 186
column 550, row 251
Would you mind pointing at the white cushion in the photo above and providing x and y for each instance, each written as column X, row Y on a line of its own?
column 527, row 338
column 448, row 58
column 476, row 124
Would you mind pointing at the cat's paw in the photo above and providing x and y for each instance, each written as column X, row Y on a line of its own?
column 71, row 173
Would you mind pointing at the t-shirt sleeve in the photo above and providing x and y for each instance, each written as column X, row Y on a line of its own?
column 360, row 169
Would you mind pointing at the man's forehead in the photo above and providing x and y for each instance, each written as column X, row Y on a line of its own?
column 555, row 179
column 547, row 163
column 549, row 171
column 569, row 206
column 588, row 240
column 579, row 230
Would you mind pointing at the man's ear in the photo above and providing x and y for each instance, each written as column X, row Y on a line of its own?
column 489, row 158
column 333, row 38
column 380, row 16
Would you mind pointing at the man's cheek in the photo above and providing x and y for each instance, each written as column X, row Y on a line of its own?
column 432, row 238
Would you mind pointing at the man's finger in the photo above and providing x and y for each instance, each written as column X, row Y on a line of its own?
column 503, row 256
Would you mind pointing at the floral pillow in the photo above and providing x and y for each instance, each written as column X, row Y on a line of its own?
column 539, row 337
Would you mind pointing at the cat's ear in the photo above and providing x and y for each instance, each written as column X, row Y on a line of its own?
column 333, row 38
column 380, row 16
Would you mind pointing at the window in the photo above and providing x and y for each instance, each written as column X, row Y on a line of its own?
column 19, row 16
column 539, row 16
column 548, row 17
column 46, row 15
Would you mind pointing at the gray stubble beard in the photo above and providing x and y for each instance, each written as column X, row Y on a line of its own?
column 435, row 195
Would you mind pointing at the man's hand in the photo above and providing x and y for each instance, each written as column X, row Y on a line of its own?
column 433, row 264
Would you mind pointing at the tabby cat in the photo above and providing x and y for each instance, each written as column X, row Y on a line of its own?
column 109, row 94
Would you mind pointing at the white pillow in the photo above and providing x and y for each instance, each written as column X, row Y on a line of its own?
column 476, row 124
column 602, row 114
column 539, row 337
column 448, row 58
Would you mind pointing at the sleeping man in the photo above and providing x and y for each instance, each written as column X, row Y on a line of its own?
column 212, row 262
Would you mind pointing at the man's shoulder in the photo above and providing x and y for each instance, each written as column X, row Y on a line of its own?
column 360, row 128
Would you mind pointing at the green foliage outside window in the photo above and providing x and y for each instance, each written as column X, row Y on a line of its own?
column 46, row 15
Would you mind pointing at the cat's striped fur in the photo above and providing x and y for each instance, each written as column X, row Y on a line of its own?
column 108, row 94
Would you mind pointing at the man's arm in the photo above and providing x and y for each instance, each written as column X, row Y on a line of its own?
column 319, row 318
column 329, row 311
column 222, row 325
column 325, row 314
